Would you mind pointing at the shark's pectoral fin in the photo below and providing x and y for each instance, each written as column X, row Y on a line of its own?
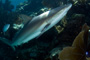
column 6, row 41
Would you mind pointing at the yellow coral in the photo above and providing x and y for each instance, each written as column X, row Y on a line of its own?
column 59, row 28
column 63, row 23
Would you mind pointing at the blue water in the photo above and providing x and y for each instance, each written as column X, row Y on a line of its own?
column 15, row 2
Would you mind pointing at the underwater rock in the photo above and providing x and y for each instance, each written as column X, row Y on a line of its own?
column 67, row 30
column 29, row 7
column 21, row 21
column 88, row 58
column 78, row 49
column 50, row 4
column 53, row 3
column 77, row 16
column 54, row 53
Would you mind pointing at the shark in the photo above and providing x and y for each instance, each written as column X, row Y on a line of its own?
column 38, row 25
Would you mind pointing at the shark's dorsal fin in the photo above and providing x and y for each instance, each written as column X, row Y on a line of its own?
column 25, row 18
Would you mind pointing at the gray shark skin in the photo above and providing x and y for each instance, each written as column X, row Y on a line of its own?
column 38, row 25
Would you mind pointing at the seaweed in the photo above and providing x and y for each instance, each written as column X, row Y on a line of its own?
column 78, row 49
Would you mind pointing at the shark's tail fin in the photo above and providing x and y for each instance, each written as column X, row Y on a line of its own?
column 8, row 42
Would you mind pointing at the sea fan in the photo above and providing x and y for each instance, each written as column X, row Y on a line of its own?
column 78, row 49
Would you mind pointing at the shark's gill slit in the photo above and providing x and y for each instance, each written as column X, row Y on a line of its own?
column 45, row 27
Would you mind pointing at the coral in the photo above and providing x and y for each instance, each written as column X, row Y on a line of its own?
column 78, row 16
column 78, row 49
column 79, row 1
column 35, row 49
column 88, row 58
column 23, row 8
column 63, row 24
column 59, row 28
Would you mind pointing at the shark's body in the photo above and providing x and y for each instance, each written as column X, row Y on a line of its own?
column 38, row 25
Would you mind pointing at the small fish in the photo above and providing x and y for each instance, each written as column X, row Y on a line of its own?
column 54, row 51
column 86, row 53
column 6, row 27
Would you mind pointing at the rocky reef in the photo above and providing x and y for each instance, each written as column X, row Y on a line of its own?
column 49, row 45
